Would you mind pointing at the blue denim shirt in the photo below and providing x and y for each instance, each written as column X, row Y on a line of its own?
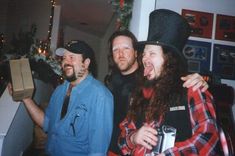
column 87, row 127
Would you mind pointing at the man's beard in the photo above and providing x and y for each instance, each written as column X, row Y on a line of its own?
column 126, row 67
column 71, row 77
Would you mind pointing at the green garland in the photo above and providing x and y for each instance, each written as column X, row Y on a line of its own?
column 124, row 10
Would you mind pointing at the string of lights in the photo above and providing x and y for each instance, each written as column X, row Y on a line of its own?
column 43, row 47
column 51, row 20
column 2, row 40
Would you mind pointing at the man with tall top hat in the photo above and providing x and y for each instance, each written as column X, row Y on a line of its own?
column 160, row 108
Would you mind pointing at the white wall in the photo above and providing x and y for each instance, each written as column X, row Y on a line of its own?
column 102, row 59
column 140, row 18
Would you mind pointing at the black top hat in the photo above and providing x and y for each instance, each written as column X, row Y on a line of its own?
column 168, row 29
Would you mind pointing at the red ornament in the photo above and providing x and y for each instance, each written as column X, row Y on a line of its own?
column 121, row 4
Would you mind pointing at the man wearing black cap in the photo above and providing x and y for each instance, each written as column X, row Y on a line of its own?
column 164, row 118
column 79, row 118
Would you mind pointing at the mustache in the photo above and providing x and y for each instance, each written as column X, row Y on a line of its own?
column 67, row 65
column 122, row 58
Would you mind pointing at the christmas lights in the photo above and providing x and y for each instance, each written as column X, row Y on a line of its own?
column 51, row 20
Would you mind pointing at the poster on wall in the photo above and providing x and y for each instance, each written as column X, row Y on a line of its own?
column 224, row 61
column 198, row 55
column 201, row 23
column 225, row 28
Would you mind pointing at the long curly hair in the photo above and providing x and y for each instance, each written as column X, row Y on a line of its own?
column 167, row 90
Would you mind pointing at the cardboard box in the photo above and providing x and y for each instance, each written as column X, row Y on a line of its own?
column 22, row 81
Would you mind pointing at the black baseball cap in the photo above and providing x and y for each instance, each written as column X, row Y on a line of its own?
column 77, row 47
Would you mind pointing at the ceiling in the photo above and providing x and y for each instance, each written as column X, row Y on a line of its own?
column 90, row 16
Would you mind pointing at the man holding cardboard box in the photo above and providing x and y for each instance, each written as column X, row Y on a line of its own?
column 21, row 79
column 79, row 117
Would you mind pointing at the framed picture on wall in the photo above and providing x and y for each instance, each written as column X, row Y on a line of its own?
column 198, row 56
column 225, row 28
column 224, row 61
column 201, row 23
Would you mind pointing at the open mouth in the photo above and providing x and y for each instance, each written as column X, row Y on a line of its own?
column 147, row 70
column 122, row 60
column 67, row 67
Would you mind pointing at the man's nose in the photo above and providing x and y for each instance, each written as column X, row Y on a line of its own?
column 144, row 58
column 66, row 62
column 121, row 52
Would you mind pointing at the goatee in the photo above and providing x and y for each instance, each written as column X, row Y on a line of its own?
column 70, row 78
